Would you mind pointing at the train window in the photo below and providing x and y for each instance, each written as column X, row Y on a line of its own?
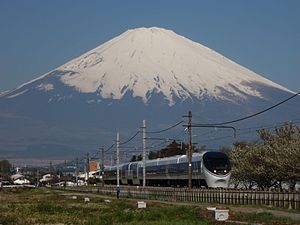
column 216, row 161
column 151, row 170
column 196, row 166
column 173, row 168
column 182, row 167
column 123, row 170
column 133, row 169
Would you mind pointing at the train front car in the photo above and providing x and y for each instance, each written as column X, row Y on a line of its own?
column 216, row 169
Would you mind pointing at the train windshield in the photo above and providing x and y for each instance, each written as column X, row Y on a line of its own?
column 216, row 162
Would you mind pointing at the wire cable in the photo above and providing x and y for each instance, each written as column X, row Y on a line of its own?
column 255, row 114
column 148, row 132
column 169, row 128
column 109, row 148
column 125, row 142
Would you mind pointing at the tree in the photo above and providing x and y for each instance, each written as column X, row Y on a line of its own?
column 133, row 159
column 284, row 142
column 136, row 158
column 274, row 160
column 152, row 155
column 5, row 167
column 172, row 149
column 240, row 164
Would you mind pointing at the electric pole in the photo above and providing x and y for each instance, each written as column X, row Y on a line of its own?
column 101, row 159
column 118, row 159
column 101, row 164
column 144, row 153
column 65, row 173
column 87, row 167
column 76, row 171
column 50, row 167
column 189, row 152
column 37, row 177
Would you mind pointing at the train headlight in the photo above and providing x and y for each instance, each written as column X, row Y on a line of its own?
column 225, row 171
column 215, row 171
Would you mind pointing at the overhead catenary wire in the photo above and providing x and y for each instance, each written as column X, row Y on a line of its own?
column 255, row 114
column 266, row 126
column 164, row 130
column 249, row 130
column 109, row 148
column 130, row 139
column 150, row 132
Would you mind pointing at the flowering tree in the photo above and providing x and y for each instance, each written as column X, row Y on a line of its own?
column 274, row 160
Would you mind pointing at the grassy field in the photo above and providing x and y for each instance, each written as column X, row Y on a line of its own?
column 42, row 206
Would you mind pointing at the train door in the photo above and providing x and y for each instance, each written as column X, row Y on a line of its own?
column 129, row 174
column 135, row 176
column 123, row 174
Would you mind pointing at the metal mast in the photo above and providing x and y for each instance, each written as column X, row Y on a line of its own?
column 144, row 153
column 190, row 153
column 118, row 159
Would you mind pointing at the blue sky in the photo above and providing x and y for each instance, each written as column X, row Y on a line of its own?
column 38, row 36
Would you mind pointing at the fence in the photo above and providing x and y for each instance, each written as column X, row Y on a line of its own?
column 289, row 200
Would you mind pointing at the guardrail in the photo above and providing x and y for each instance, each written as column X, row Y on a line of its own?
column 290, row 200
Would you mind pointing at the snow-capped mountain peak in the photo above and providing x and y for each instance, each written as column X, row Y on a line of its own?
column 153, row 60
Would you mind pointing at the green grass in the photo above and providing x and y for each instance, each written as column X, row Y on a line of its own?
column 265, row 217
column 38, row 206
column 43, row 206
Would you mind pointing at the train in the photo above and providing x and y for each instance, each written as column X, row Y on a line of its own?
column 209, row 169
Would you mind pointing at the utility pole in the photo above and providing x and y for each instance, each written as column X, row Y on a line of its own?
column 50, row 168
column 118, row 159
column 65, row 173
column 101, row 164
column 144, row 153
column 65, row 168
column 189, row 151
column 37, row 177
column 87, row 167
column 101, row 159
column 76, row 171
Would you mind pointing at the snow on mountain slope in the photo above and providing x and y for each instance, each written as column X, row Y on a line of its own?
column 158, row 60
column 2, row 93
column 155, row 60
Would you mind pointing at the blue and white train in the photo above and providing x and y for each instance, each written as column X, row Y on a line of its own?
column 209, row 169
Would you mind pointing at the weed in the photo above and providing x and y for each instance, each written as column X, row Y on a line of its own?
column 4, row 220
column 264, row 217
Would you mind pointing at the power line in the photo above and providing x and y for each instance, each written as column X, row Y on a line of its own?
column 125, row 142
column 250, row 130
column 255, row 114
column 295, row 121
column 150, row 132
column 109, row 148
column 169, row 128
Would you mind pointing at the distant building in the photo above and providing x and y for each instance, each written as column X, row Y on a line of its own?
column 21, row 180
column 16, row 176
column 46, row 178
column 93, row 166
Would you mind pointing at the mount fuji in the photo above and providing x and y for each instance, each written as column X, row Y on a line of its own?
column 145, row 73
